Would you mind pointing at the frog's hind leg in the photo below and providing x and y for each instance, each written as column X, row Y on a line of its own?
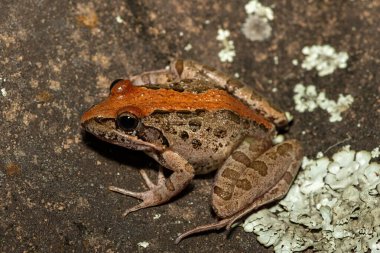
column 274, row 194
column 245, row 185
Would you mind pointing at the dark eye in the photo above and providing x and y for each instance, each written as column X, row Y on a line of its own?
column 114, row 83
column 127, row 121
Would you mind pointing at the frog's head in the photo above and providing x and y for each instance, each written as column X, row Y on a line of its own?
column 117, row 121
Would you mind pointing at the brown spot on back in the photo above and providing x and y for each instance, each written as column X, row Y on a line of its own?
column 230, row 174
column 195, row 124
column 260, row 167
column 259, row 145
column 244, row 184
column 184, row 114
column 160, row 112
column 232, row 116
column 284, row 148
column 169, row 185
column 184, row 135
column 177, row 87
column 196, row 143
column 200, row 112
column 272, row 155
column 288, row 177
column 220, row 132
column 241, row 158
column 221, row 193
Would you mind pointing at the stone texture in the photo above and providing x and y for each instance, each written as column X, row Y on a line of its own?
column 57, row 58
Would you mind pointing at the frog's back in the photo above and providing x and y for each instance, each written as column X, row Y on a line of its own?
column 187, row 75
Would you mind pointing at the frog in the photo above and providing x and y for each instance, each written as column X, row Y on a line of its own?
column 193, row 119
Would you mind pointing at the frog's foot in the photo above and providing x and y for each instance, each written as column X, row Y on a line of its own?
column 213, row 226
column 277, row 192
column 166, row 188
column 152, row 197
column 160, row 178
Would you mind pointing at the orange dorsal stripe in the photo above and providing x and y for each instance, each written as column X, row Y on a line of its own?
column 144, row 101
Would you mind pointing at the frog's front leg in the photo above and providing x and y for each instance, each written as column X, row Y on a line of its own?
column 166, row 188
column 246, row 182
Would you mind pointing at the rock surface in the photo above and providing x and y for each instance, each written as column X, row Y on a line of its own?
column 57, row 58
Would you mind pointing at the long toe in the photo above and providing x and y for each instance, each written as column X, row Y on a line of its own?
column 137, row 195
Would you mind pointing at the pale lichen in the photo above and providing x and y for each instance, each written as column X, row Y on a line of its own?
column 143, row 244
column 375, row 153
column 255, row 7
column 119, row 20
column 335, row 108
column 156, row 216
column 324, row 59
column 289, row 116
column 333, row 206
column 227, row 53
column 4, row 92
column 307, row 98
column 278, row 139
column 188, row 47
column 256, row 26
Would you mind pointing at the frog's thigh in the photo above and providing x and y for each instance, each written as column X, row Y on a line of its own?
column 244, row 180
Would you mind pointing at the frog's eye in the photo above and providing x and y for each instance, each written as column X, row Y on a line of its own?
column 114, row 83
column 127, row 121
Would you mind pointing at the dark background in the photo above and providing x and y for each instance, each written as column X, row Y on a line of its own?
column 57, row 58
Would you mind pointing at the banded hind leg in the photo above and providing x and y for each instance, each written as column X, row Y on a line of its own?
column 251, row 177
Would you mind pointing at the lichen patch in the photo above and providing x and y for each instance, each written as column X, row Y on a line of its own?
column 324, row 59
column 307, row 98
column 332, row 205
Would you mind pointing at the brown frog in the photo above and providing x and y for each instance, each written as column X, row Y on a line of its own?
column 193, row 119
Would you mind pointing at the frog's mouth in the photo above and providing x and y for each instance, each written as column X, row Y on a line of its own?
column 105, row 129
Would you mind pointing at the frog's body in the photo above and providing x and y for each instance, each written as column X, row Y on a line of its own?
column 196, row 137
column 192, row 120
